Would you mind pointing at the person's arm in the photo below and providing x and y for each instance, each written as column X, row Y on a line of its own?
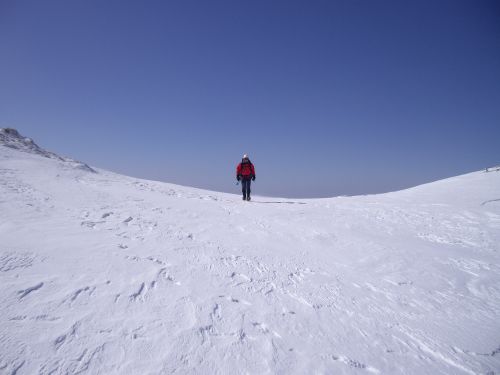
column 253, row 172
column 238, row 171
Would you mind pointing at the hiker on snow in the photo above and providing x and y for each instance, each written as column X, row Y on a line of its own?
column 245, row 172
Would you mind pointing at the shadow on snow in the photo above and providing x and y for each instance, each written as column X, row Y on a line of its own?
column 278, row 202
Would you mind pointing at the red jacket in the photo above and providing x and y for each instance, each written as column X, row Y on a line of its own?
column 245, row 169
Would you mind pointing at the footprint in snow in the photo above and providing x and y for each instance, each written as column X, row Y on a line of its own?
column 235, row 300
column 91, row 224
column 355, row 364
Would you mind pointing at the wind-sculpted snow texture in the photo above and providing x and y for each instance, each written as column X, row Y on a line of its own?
column 106, row 274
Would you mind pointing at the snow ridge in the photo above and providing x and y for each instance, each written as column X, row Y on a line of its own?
column 11, row 138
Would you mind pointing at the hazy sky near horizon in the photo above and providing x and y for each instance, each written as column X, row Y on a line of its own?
column 327, row 97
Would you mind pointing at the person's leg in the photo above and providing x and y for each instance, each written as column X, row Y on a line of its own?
column 248, row 189
column 244, row 189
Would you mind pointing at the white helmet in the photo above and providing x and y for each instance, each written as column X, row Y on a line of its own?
column 245, row 156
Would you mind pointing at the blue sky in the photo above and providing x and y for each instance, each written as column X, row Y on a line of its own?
column 327, row 97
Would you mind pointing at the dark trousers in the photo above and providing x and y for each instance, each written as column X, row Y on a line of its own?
column 245, row 187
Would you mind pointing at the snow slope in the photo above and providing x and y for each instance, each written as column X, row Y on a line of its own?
column 106, row 274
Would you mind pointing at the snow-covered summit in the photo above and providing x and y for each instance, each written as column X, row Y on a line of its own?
column 11, row 138
column 106, row 274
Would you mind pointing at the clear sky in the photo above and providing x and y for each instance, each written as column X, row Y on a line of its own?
column 327, row 97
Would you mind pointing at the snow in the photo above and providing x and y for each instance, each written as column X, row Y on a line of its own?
column 106, row 274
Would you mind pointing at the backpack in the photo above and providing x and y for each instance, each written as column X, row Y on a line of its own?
column 246, row 169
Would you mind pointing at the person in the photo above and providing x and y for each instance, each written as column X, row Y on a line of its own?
column 245, row 172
